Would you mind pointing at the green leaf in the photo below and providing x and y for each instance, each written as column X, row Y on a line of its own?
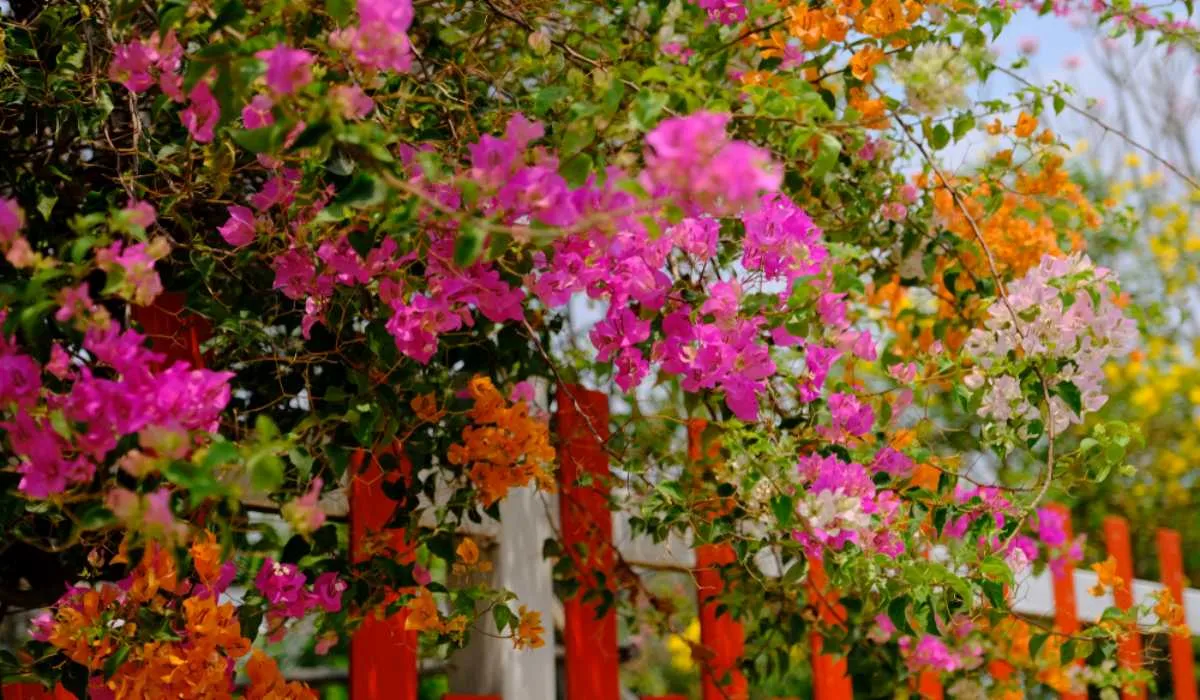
column 45, row 205
column 311, row 136
column 112, row 663
column 784, row 509
column 220, row 452
column 468, row 245
column 1066, row 652
column 361, row 191
column 266, row 139
column 939, row 137
column 266, row 471
column 995, row 568
column 229, row 13
column 575, row 170
column 898, row 613
column 95, row 517
column 1035, row 644
column 502, row 616
column 671, row 489
column 795, row 572
column 1059, row 104
column 265, row 428
column 1070, row 394
column 547, row 97
column 250, row 619
column 340, row 10
column 827, row 155
column 963, row 125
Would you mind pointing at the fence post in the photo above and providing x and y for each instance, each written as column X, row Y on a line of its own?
column 171, row 330
column 721, row 679
column 1170, row 560
column 831, row 680
column 1066, row 612
column 34, row 691
column 1116, row 543
column 383, row 655
column 589, row 639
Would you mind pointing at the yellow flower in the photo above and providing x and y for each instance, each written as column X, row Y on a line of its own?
column 1147, row 399
column 1133, row 160
column 1081, row 146
column 680, row 646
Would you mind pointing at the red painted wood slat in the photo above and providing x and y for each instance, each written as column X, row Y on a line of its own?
column 1116, row 543
column 831, row 681
column 383, row 655
column 34, row 691
column 721, row 634
column 1170, row 561
column 1066, row 617
column 590, row 640
column 171, row 330
column 724, row 636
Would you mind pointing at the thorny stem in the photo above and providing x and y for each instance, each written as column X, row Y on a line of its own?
column 1117, row 132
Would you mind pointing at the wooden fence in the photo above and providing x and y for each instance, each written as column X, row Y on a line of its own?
column 384, row 657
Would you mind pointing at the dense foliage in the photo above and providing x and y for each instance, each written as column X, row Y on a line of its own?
column 386, row 221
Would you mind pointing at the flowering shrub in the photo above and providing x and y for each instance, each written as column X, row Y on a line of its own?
column 388, row 218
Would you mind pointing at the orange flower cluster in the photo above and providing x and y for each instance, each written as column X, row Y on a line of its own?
column 423, row 616
column 266, row 683
column 1170, row 612
column 529, row 630
column 1041, row 210
column 1023, row 227
column 505, row 447
column 197, row 661
column 82, row 630
column 814, row 25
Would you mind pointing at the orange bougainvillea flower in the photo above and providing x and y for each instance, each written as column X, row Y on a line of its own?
column 874, row 112
column 423, row 613
column 426, row 408
column 1026, row 125
column 215, row 625
column 155, row 572
column 468, row 551
column 267, row 683
column 1106, row 571
column 82, row 630
column 529, row 629
column 1169, row 612
column 206, row 557
column 862, row 64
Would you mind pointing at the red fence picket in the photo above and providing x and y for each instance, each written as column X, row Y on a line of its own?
column 1116, row 543
column 589, row 639
column 171, row 330
column 383, row 655
column 1170, row 559
column 719, row 633
column 34, row 691
column 1066, row 613
column 831, row 681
